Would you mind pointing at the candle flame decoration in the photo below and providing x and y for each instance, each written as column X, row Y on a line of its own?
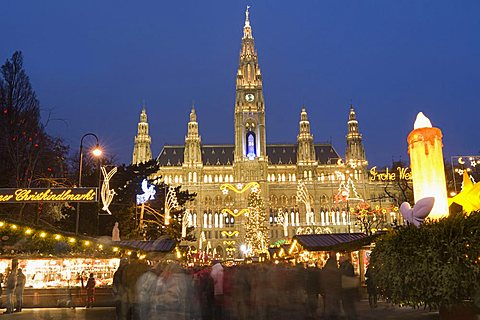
column 422, row 121
column 426, row 161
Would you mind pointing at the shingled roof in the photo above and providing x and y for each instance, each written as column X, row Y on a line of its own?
column 222, row 155
column 334, row 241
column 160, row 245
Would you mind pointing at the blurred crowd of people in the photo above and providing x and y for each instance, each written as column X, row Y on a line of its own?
column 246, row 291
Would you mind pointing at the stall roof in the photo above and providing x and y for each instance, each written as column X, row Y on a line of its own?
column 160, row 245
column 333, row 241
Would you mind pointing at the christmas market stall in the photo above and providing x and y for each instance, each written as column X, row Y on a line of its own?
column 57, row 265
column 314, row 249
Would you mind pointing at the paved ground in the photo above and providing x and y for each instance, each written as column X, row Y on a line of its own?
column 382, row 312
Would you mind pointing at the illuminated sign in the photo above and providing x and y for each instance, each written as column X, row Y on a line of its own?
column 399, row 174
column 30, row 195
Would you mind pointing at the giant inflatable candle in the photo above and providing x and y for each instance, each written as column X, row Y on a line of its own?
column 426, row 160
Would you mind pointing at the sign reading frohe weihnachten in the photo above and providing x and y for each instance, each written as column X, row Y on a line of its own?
column 30, row 195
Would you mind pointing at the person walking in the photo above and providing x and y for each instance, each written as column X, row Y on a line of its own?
column 332, row 287
column 118, row 290
column 19, row 288
column 217, row 276
column 371, row 287
column 90, row 291
column 1, row 288
column 350, row 287
column 10, row 290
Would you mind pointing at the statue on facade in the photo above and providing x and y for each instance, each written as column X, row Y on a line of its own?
column 116, row 232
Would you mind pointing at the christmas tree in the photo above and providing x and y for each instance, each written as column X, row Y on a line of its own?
column 256, row 235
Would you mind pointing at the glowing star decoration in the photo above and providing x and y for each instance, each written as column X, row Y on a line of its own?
column 426, row 161
column 148, row 192
column 304, row 196
column 469, row 197
column 419, row 212
column 282, row 219
column 106, row 193
column 170, row 203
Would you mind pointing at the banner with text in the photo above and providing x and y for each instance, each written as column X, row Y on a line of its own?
column 31, row 195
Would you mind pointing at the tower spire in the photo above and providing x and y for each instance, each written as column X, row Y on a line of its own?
column 355, row 153
column 306, row 150
column 141, row 149
column 247, row 29
column 192, row 152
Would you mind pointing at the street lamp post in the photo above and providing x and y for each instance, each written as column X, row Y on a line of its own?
column 97, row 152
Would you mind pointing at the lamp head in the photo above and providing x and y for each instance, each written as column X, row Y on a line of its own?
column 97, row 152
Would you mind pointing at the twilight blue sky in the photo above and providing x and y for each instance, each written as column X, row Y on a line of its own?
column 92, row 63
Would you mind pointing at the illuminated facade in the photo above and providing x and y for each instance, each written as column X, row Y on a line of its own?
column 219, row 174
column 141, row 149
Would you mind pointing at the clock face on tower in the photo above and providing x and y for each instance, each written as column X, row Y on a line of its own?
column 249, row 97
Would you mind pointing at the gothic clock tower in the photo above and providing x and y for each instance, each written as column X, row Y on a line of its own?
column 250, row 141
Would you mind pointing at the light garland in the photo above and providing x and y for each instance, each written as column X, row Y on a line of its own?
column 230, row 234
column 235, row 213
column 72, row 241
column 239, row 188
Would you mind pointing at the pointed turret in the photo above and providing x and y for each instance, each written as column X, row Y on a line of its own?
column 355, row 153
column 306, row 150
column 192, row 153
column 141, row 149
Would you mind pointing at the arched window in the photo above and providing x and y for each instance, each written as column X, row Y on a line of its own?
column 216, row 220
column 194, row 177
column 251, row 147
column 205, row 179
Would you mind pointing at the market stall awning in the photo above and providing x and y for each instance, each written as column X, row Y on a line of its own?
column 160, row 245
column 333, row 241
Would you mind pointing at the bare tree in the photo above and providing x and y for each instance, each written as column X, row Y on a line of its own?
column 27, row 152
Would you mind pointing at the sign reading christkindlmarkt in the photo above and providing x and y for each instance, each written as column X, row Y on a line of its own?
column 30, row 195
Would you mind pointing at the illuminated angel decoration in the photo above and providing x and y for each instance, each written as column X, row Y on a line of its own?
column 106, row 193
column 304, row 196
column 148, row 192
